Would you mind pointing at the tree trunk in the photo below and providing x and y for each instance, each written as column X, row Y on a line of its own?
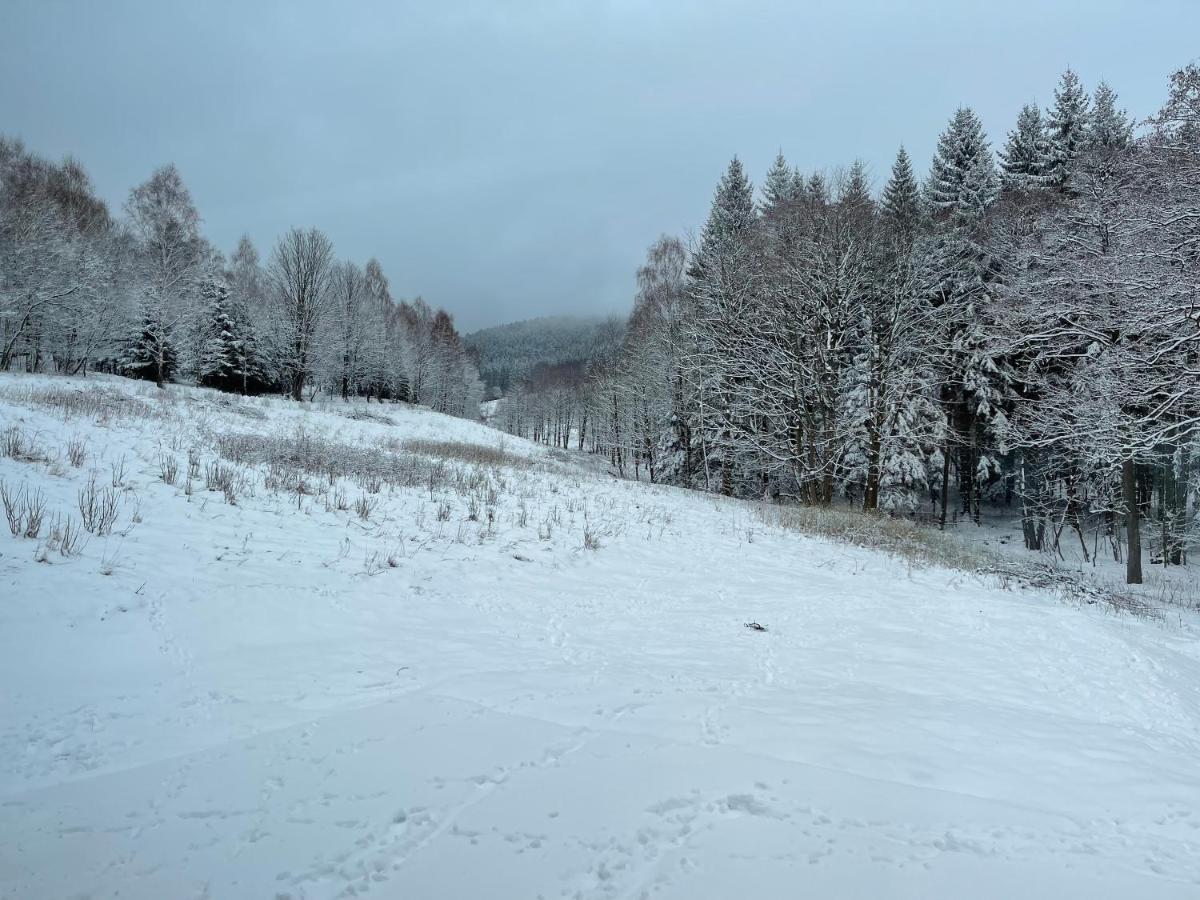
column 871, row 491
column 1033, row 525
column 1133, row 555
column 945, row 485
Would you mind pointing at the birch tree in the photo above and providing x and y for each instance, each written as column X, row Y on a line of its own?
column 172, row 258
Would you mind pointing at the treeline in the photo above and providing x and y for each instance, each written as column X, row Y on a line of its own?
column 508, row 355
column 1022, row 330
column 146, row 295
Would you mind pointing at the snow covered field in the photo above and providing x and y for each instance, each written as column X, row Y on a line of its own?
column 519, row 678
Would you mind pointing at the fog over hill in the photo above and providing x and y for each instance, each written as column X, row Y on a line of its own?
column 509, row 353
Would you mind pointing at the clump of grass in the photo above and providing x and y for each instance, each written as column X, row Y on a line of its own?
column 290, row 457
column 476, row 454
column 899, row 537
column 365, row 415
column 591, row 540
column 94, row 401
column 923, row 546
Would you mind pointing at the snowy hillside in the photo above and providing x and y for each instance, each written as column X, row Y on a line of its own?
column 336, row 651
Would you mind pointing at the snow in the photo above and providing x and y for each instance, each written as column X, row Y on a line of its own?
column 251, row 703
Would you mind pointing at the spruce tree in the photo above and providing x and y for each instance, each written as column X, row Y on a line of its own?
column 732, row 214
column 1067, row 130
column 962, row 182
column 150, row 356
column 961, row 186
column 779, row 187
column 1110, row 130
column 799, row 189
column 816, row 190
column 218, row 351
column 229, row 357
column 721, row 268
column 901, row 201
column 856, row 190
column 1025, row 160
column 248, row 370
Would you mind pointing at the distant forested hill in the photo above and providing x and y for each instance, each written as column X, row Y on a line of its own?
column 509, row 353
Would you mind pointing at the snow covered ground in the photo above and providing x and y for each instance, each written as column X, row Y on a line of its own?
column 518, row 678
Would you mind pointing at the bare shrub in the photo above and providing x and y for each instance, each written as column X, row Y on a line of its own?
column 35, row 512
column 14, row 507
column 55, row 535
column 70, row 538
column 76, row 452
column 12, row 442
column 227, row 480
column 217, row 477
column 364, row 506
column 15, row 444
column 591, row 540
column 98, row 507
column 443, row 511
column 168, row 467
column 135, row 517
column 118, row 471
column 301, row 488
column 1070, row 585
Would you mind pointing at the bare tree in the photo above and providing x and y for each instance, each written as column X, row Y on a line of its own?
column 301, row 275
column 62, row 272
column 355, row 325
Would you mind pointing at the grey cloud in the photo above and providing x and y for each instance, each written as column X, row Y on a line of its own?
column 514, row 159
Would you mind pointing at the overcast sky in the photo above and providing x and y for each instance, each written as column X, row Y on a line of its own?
column 512, row 159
